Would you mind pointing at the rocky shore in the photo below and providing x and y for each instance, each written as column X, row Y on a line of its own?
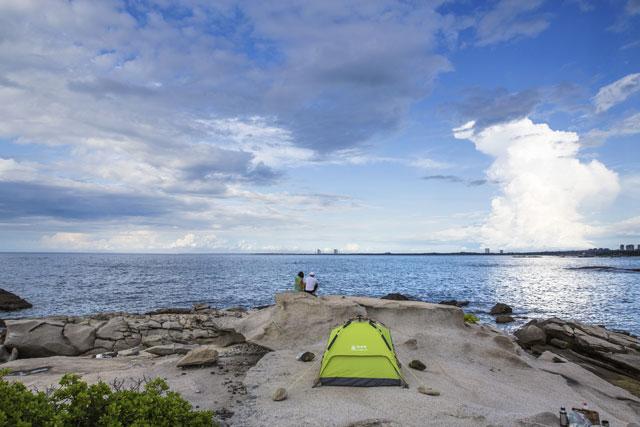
column 235, row 362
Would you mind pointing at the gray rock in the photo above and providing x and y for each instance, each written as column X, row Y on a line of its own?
column 5, row 353
column 38, row 338
column 428, row 391
column 129, row 352
column 14, row 355
column 200, row 307
column 306, row 356
column 417, row 365
column 155, row 340
column 455, row 303
column 172, row 325
column 103, row 345
column 501, row 308
column 202, row 356
column 224, row 339
column 113, row 330
column 82, row 337
column 559, row 343
column 279, row 394
column 548, row 356
column 412, row 344
column 504, row 318
column 166, row 350
column 530, row 335
column 12, row 302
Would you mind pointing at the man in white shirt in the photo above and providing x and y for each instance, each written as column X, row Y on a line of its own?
column 311, row 284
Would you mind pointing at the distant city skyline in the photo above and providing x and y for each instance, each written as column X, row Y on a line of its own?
column 367, row 126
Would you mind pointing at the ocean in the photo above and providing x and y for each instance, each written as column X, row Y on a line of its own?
column 536, row 287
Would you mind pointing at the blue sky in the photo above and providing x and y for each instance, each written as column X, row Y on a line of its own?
column 196, row 126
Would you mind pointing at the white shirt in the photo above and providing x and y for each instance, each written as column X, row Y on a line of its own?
column 309, row 283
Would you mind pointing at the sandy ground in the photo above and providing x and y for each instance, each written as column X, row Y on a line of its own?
column 484, row 379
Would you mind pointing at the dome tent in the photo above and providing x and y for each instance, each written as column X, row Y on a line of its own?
column 360, row 353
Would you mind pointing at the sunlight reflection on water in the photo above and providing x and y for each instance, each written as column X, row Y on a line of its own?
column 534, row 287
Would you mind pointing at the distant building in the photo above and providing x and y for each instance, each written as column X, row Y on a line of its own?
column 318, row 251
column 487, row 250
column 501, row 251
column 629, row 247
column 622, row 247
column 335, row 252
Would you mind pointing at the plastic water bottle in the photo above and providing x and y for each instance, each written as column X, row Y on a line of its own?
column 564, row 421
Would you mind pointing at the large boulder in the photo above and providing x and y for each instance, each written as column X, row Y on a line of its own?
column 39, row 338
column 202, row 356
column 169, row 349
column 530, row 335
column 82, row 337
column 12, row 302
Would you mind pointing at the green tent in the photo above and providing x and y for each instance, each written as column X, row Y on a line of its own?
column 360, row 353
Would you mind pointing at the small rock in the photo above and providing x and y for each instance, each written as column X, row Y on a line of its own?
column 306, row 356
column 394, row 296
column 200, row 307
column 428, row 391
column 237, row 309
column 202, row 356
column 504, row 318
column 129, row 352
column 412, row 344
column 530, row 335
column 501, row 308
column 548, row 356
column 14, row 355
column 559, row 343
column 417, row 365
column 279, row 394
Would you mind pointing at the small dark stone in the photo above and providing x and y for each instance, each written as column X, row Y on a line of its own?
column 396, row 297
column 501, row 308
column 504, row 318
column 454, row 303
column 412, row 344
column 306, row 356
column 417, row 365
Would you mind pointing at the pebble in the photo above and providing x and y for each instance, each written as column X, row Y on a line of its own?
column 279, row 394
column 417, row 365
column 428, row 391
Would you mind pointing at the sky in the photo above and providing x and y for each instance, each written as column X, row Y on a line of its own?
column 365, row 126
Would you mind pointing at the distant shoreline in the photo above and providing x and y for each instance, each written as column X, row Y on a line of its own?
column 589, row 253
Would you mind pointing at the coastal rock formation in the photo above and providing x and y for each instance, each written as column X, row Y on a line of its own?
column 103, row 333
column 394, row 296
column 202, row 356
column 455, row 303
column 481, row 376
column 12, row 302
column 504, row 318
column 614, row 356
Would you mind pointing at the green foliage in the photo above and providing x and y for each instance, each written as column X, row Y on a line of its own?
column 75, row 403
column 471, row 318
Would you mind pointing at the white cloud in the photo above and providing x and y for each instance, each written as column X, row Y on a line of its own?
column 628, row 126
column 616, row 92
column 545, row 187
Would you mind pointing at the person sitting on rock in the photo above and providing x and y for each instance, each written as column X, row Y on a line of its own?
column 299, row 282
column 311, row 284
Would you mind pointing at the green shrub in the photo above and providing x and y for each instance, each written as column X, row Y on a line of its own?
column 75, row 403
column 471, row 318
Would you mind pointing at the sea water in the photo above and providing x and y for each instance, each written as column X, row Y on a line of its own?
column 536, row 287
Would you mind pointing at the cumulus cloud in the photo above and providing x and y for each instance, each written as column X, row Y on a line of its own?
column 545, row 186
column 616, row 92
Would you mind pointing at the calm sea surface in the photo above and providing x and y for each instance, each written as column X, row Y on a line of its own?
column 535, row 287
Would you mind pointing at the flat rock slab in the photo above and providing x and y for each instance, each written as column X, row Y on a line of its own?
column 12, row 302
column 166, row 350
column 202, row 356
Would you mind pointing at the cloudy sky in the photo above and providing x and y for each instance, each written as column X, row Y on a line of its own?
column 199, row 126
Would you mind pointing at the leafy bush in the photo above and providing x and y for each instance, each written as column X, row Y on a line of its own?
column 75, row 403
column 471, row 318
